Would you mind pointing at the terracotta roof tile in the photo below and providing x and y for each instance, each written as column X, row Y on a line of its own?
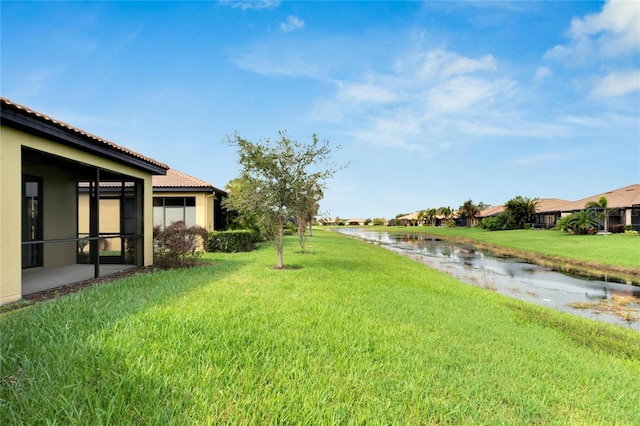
column 6, row 103
column 491, row 211
column 618, row 198
column 549, row 204
column 175, row 179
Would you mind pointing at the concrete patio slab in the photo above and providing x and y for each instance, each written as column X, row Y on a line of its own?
column 39, row 279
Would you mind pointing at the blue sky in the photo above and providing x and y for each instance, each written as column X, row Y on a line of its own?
column 433, row 103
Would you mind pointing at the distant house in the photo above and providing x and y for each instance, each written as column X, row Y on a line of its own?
column 490, row 212
column 623, row 205
column 43, row 165
column 414, row 219
column 327, row 222
column 410, row 219
column 380, row 221
column 180, row 197
column 548, row 211
column 355, row 222
column 332, row 222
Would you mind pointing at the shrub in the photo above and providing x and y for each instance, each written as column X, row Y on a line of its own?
column 616, row 229
column 378, row 221
column 177, row 246
column 231, row 241
column 494, row 223
column 289, row 228
column 631, row 233
column 580, row 223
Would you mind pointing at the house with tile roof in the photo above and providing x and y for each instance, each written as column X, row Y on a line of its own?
column 180, row 197
column 623, row 206
column 177, row 196
column 547, row 212
column 43, row 164
column 356, row 221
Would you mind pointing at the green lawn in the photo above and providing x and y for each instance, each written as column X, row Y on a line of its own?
column 613, row 249
column 351, row 334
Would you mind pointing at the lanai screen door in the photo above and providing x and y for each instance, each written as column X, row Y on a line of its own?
column 31, row 221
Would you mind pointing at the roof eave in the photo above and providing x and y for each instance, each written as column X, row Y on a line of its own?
column 32, row 125
column 189, row 189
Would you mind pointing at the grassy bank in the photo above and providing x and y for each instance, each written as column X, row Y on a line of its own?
column 597, row 254
column 351, row 334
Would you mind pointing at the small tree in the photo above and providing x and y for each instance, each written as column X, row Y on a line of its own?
column 519, row 211
column 601, row 207
column 279, row 181
column 306, row 206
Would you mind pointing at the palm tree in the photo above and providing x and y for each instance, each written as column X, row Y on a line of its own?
column 431, row 216
column 601, row 204
column 469, row 210
column 579, row 223
column 446, row 212
column 422, row 215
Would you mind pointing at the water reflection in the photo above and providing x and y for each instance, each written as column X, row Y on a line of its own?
column 509, row 276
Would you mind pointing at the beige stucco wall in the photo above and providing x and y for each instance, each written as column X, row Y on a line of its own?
column 10, row 221
column 109, row 219
column 109, row 214
column 55, row 225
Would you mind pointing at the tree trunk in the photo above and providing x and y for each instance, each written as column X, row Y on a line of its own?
column 280, row 242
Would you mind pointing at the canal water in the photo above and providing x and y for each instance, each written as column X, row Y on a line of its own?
column 509, row 276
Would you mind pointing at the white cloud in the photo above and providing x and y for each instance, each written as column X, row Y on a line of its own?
column 601, row 121
column 271, row 59
column 541, row 73
column 617, row 84
column 602, row 45
column 293, row 23
column 369, row 91
column 615, row 30
column 420, row 103
column 462, row 93
column 433, row 100
column 439, row 63
column 612, row 32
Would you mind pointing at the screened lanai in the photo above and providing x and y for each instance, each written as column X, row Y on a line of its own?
column 74, row 206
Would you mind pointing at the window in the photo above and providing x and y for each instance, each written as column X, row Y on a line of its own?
column 167, row 210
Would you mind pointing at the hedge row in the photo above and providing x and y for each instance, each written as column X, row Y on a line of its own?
column 230, row 241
